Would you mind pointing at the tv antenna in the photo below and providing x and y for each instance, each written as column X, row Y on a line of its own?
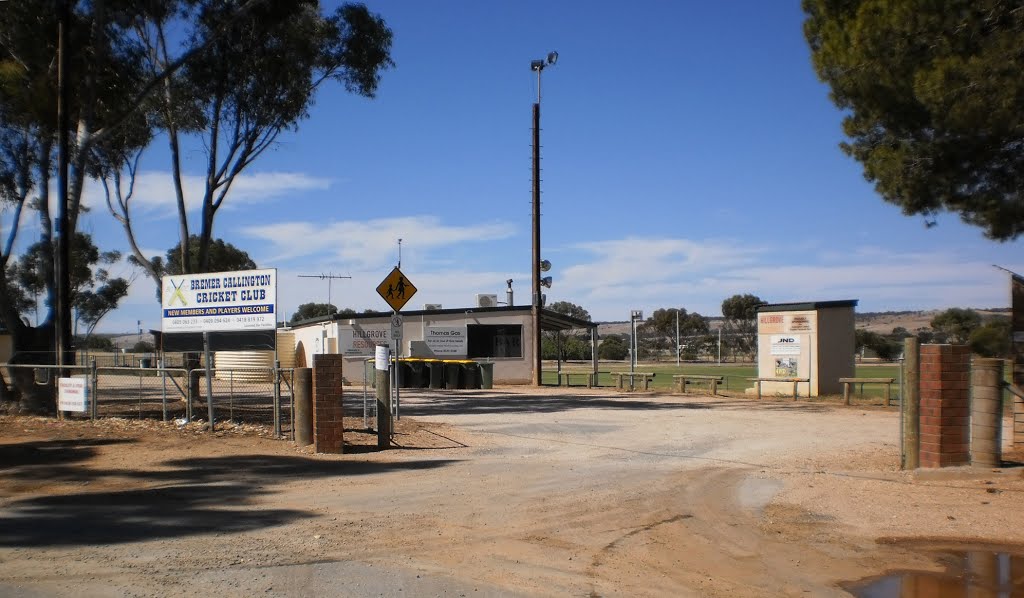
column 329, row 277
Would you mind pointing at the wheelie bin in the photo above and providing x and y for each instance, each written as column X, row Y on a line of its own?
column 452, row 374
column 486, row 374
column 435, row 368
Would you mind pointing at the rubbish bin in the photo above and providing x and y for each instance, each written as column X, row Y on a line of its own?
column 452, row 371
column 486, row 374
column 416, row 373
column 436, row 370
column 146, row 362
column 470, row 374
column 404, row 373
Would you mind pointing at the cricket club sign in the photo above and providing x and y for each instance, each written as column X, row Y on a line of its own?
column 220, row 301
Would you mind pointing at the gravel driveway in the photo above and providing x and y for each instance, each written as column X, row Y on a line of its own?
column 508, row 492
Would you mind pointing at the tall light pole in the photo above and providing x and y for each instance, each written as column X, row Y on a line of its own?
column 538, row 66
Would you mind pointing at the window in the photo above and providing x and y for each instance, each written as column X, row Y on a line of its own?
column 489, row 340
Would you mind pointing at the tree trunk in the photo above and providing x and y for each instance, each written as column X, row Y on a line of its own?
column 33, row 346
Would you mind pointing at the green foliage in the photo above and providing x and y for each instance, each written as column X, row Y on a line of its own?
column 932, row 96
column 569, row 309
column 143, row 347
column 956, row 324
column 740, row 326
column 569, row 347
column 663, row 322
column 95, row 343
column 992, row 339
column 884, row 347
column 224, row 257
column 308, row 311
column 94, row 292
column 613, row 348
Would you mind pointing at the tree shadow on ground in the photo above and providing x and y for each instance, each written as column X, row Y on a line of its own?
column 192, row 496
column 52, row 452
column 494, row 402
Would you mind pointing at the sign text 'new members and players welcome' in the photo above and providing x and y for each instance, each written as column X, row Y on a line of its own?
column 220, row 301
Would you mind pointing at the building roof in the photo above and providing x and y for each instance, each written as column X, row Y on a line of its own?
column 549, row 320
column 807, row 305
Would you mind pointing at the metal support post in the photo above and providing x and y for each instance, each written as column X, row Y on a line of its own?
column 277, row 399
column 163, row 381
column 93, row 396
column 209, row 378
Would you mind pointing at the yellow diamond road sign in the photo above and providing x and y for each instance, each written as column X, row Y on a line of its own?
column 396, row 289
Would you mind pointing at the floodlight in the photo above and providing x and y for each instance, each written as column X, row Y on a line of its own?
column 536, row 65
column 552, row 57
column 545, row 265
column 546, row 282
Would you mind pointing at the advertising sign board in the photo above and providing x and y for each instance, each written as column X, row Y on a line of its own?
column 220, row 301
column 785, row 344
column 446, row 340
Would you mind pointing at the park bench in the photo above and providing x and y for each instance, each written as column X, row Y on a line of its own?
column 620, row 377
column 847, row 382
column 589, row 378
column 681, row 380
column 795, row 381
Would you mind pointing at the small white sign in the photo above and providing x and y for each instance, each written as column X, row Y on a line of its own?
column 73, row 394
column 381, row 357
column 446, row 340
column 396, row 328
column 785, row 344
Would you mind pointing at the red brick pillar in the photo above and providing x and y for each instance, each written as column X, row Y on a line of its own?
column 327, row 426
column 945, row 405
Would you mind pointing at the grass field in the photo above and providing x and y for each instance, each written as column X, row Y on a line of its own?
column 735, row 375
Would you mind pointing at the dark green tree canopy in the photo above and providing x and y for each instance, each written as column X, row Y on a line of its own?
column 663, row 321
column 934, row 102
column 570, row 309
column 956, row 324
column 741, row 307
column 308, row 311
column 613, row 347
column 224, row 257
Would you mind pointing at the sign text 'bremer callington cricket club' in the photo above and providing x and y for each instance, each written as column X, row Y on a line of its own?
column 220, row 301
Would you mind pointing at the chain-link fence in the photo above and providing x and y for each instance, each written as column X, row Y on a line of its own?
column 241, row 395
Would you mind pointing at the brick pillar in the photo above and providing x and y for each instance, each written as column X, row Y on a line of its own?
column 327, row 426
column 945, row 405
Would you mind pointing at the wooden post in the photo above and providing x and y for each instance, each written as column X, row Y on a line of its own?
column 846, row 393
column 986, row 412
column 302, row 418
column 383, row 408
column 888, row 395
column 795, row 388
column 911, row 404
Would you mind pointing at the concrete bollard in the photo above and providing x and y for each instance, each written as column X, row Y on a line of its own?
column 303, row 417
column 986, row 412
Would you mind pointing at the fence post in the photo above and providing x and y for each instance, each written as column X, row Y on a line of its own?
column 163, row 383
column 911, row 404
column 302, row 415
column 277, row 399
column 93, row 378
column 986, row 412
column 190, row 397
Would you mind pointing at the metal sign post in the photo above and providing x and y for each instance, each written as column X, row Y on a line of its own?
column 209, row 377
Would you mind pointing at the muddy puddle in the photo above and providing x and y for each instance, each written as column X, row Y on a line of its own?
column 975, row 574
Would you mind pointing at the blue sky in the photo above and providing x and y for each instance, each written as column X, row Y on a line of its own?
column 689, row 153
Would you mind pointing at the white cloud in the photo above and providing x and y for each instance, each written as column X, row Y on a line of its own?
column 154, row 193
column 369, row 243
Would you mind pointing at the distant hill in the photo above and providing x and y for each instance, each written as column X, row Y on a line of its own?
column 875, row 321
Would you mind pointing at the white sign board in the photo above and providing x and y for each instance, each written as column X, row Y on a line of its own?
column 396, row 328
column 73, row 394
column 785, row 344
column 381, row 357
column 446, row 340
column 362, row 339
column 220, row 301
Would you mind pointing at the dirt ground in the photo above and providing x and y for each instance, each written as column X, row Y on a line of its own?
column 506, row 492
